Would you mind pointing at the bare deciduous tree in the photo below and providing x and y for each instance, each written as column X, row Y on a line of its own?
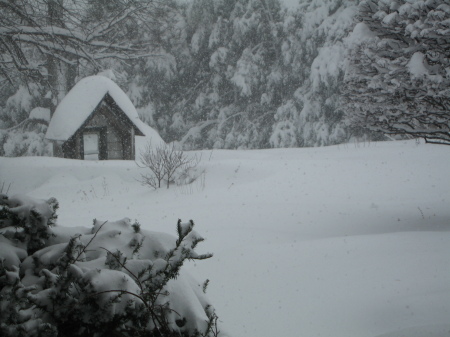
column 151, row 157
column 164, row 162
column 174, row 160
column 39, row 39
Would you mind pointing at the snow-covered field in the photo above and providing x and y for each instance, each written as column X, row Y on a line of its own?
column 349, row 240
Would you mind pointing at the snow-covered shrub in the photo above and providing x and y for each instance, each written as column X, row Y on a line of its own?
column 19, row 144
column 114, row 279
column 19, row 105
column 31, row 218
column 26, row 139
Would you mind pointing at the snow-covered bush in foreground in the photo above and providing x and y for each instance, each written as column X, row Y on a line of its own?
column 113, row 279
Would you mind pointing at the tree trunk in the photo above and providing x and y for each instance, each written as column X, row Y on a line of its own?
column 54, row 69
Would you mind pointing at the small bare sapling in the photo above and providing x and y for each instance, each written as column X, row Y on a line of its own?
column 165, row 163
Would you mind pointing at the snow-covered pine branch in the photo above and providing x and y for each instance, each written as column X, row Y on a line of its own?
column 399, row 75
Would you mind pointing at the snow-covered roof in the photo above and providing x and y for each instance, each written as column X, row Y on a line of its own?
column 81, row 101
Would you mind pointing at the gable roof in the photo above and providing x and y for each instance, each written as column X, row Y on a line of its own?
column 81, row 101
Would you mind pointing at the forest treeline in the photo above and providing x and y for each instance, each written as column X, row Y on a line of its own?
column 215, row 73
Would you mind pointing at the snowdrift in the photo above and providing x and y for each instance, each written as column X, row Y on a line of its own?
column 349, row 240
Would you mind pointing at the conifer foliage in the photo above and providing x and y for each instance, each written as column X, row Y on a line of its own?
column 398, row 81
column 115, row 279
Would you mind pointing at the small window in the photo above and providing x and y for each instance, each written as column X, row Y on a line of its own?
column 91, row 146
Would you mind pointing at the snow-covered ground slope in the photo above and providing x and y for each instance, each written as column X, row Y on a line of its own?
column 350, row 240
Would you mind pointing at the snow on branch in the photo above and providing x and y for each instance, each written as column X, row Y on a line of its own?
column 398, row 79
column 69, row 32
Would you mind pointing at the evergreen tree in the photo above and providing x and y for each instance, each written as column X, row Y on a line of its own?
column 317, row 48
column 233, row 46
column 398, row 81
